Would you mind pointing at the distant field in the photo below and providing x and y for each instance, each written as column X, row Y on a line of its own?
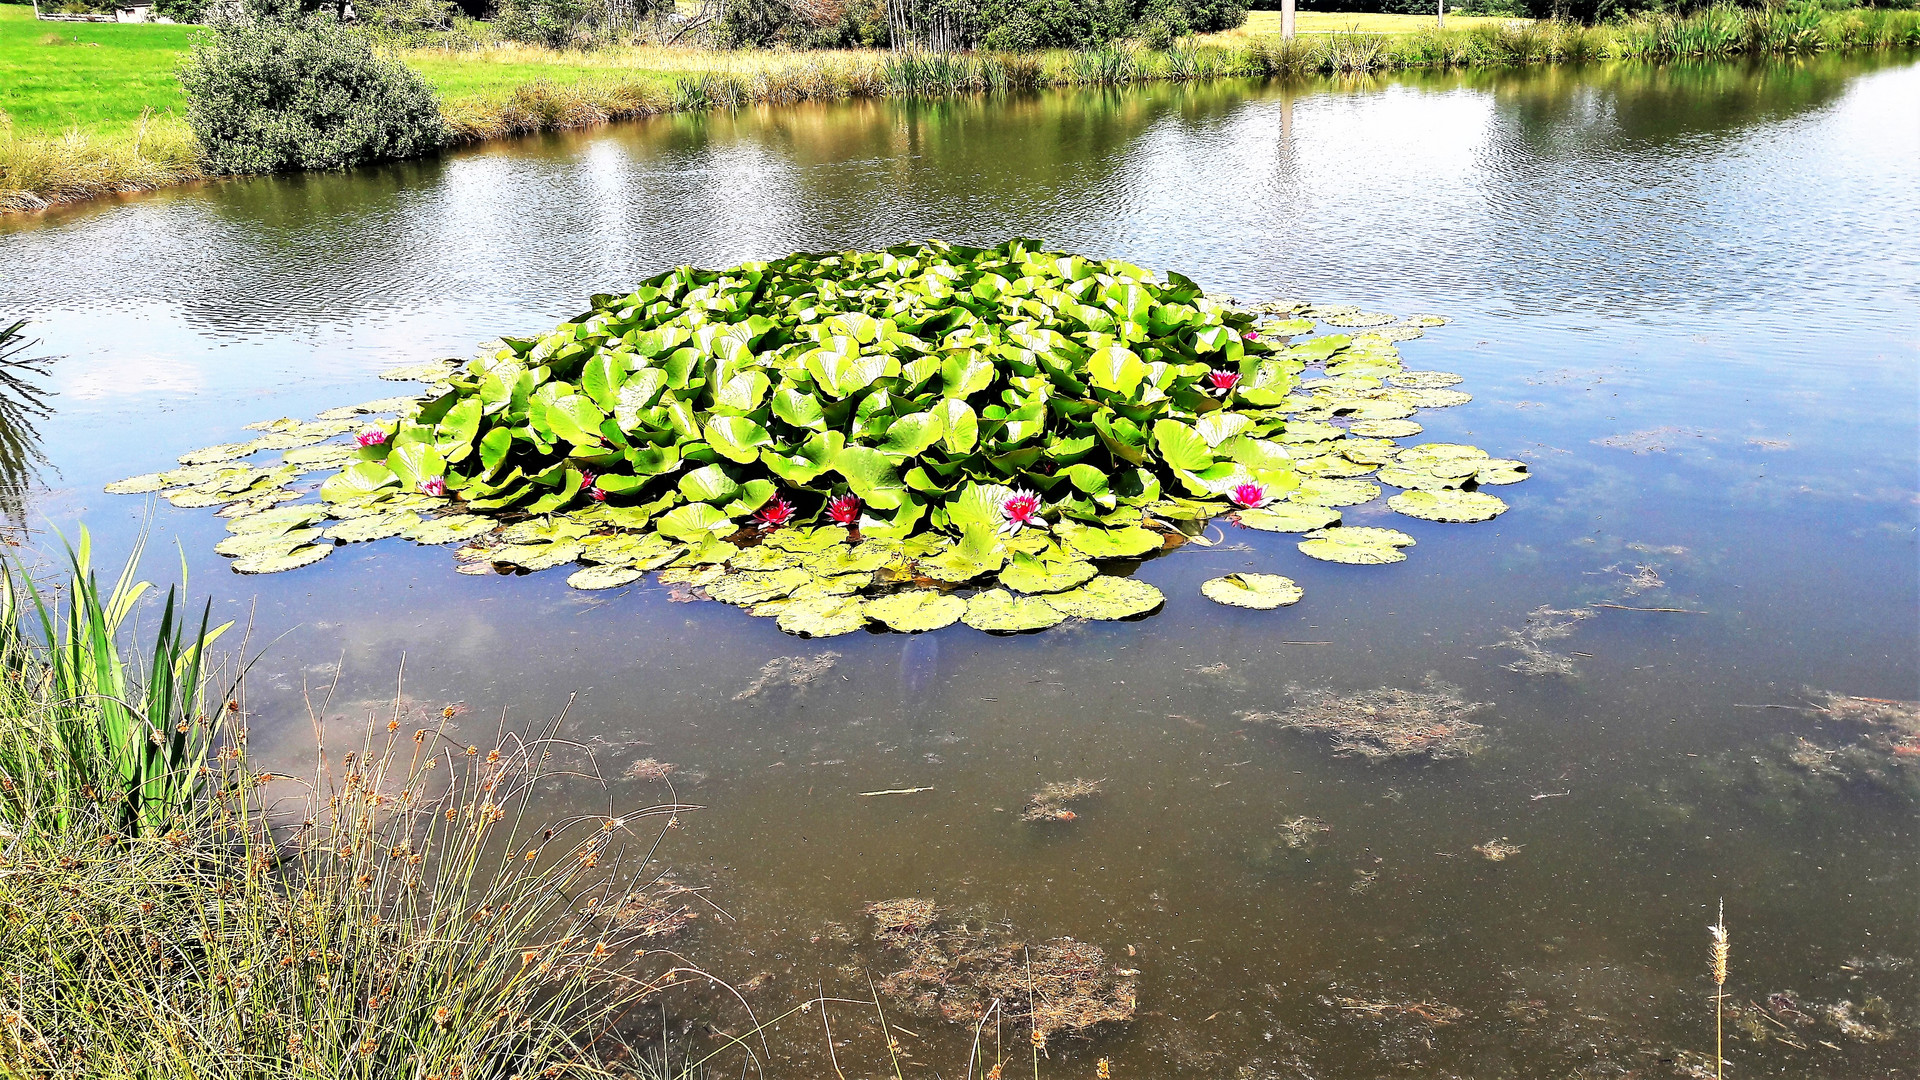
column 95, row 76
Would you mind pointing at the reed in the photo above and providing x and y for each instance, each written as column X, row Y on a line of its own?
column 1717, row 959
column 37, row 171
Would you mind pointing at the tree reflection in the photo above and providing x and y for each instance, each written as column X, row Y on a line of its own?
column 23, row 403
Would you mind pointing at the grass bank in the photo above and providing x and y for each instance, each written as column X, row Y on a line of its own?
column 167, row 910
column 93, row 109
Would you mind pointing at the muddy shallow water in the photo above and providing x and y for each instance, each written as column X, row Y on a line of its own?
column 1684, row 295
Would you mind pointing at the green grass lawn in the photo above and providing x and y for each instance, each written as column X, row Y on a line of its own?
column 455, row 76
column 1260, row 23
column 94, row 76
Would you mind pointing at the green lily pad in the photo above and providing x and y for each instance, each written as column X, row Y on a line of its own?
column 315, row 458
column 280, row 559
column 381, row 405
column 1129, row 542
column 376, row 527
column 833, row 585
column 451, row 529
column 1328, row 311
column 537, row 556
column 222, row 452
column 1320, row 491
column 602, row 577
column 806, row 541
column 277, row 521
column 139, row 485
column 1360, row 408
column 1386, row 429
column 255, row 502
column 1426, row 399
column 197, row 500
column 841, row 559
column 1398, row 332
column 1030, row 575
column 1359, row 546
column 1374, row 452
column 1448, row 505
column 1262, row 592
column 1288, row 517
column 710, row 550
column 1427, row 380
column 436, row 371
column 1402, row 476
column 1285, row 327
column 1108, row 598
column 543, row 531
column 766, row 557
column 698, row 577
column 999, row 610
column 1427, row 455
column 826, row 616
column 1333, row 465
column 756, row 586
column 1501, row 471
column 1425, row 320
column 917, row 610
column 1359, row 318
column 261, row 543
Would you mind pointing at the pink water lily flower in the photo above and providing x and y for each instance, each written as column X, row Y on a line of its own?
column 371, row 437
column 433, row 485
column 1020, row 509
column 1223, row 382
column 596, row 494
column 1249, row 336
column 1250, row 496
column 775, row 514
column 844, row 510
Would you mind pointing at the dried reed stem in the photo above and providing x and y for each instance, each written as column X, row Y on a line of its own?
column 1718, row 954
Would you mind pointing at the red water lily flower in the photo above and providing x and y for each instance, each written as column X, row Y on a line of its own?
column 1223, row 382
column 1250, row 496
column 433, row 485
column 1020, row 508
column 775, row 514
column 371, row 437
column 844, row 510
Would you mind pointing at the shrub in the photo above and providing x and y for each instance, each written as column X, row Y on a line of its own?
column 302, row 94
column 181, row 11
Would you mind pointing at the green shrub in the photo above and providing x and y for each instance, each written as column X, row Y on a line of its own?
column 303, row 94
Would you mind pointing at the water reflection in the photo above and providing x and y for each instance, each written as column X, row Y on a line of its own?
column 23, row 404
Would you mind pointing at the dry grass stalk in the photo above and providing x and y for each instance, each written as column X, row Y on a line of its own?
column 1050, row 803
column 1717, row 954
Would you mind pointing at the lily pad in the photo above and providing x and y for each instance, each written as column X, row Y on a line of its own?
column 602, row 577
column 840, row 559
column 1403, row 476
column 278, row 520
column 381, row 405
column 748, row 587
column 1289, row 517
column 1359, row 318
column 1448, row 505
column 827, row 616
column 765, row 557
column 139, row 485
column 1262, row 592
column 327, row 456
column 1425, row 320
column 833, row 585
column 1108, row 598
column 1427, row 399
column 1361, row 408
column 1501, row 471
column 537, row 556
column 1399, row 332
column 1334, row 465
column 262, row 543
column 1386, row 429
column 1359, row 546
column 1427, row 380
column 1031, row 575
column 804, row 541
column 280, row 559
column 917, row 610
column 1330, row 492
column 222, row 452
column 698, row 577
column 451, row 529
column 1001, row 611
column 435, row 371
column 375, row 527
column 1124, row 543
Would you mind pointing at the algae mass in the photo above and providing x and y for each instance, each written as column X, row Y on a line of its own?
column 912, row 437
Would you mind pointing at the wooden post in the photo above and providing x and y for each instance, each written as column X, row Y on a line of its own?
column 1286, row 20
column 1440, row 7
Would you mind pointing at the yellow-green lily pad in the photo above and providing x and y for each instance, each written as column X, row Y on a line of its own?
column 1425, row 320
column 1359, row 318
column 1358, row 546
column 766, row 557
column 1108, row 598
column 917, row 610
column 452, row 529
column 825, row 616
column 427, row 373
column 748, row 587
column 1000, row 610
column 1499, row 471
column 1427, row 380
column 258, row 543
column 279, row 559
column 1448, row 505
column 1263, row 592
column 1402, row 476
column 1288, row 517
column 1326, row 491
column 1028, row 574
column 805, row 541
column 139, row 485
column 376, row 527
column 278, row 520
column 698, row 577
column 1386, row 429
column 602, row 577
column 537, row 556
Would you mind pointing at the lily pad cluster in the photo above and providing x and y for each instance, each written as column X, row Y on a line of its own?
column 912, row 437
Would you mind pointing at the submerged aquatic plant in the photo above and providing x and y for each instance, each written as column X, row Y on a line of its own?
column 1009, row 416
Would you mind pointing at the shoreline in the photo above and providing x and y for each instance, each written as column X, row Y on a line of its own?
column 43, row 172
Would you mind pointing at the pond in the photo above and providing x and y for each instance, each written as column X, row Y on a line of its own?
column 1684, row 295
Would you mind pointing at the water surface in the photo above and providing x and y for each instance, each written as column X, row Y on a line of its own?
column 1685, row 295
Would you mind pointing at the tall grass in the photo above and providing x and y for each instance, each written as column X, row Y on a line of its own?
column 399, row 913
column 643, row 81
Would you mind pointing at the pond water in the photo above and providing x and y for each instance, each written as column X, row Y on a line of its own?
column 1685, row 295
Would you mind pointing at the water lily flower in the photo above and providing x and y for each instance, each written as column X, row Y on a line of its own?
column 1250, row 496
column 1249, row 336
column 596, row 494
column 371, row 437
column 844, row 510
column 1223, row 382
column 433, row 485
column 1020, row 508
column 775, row 514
